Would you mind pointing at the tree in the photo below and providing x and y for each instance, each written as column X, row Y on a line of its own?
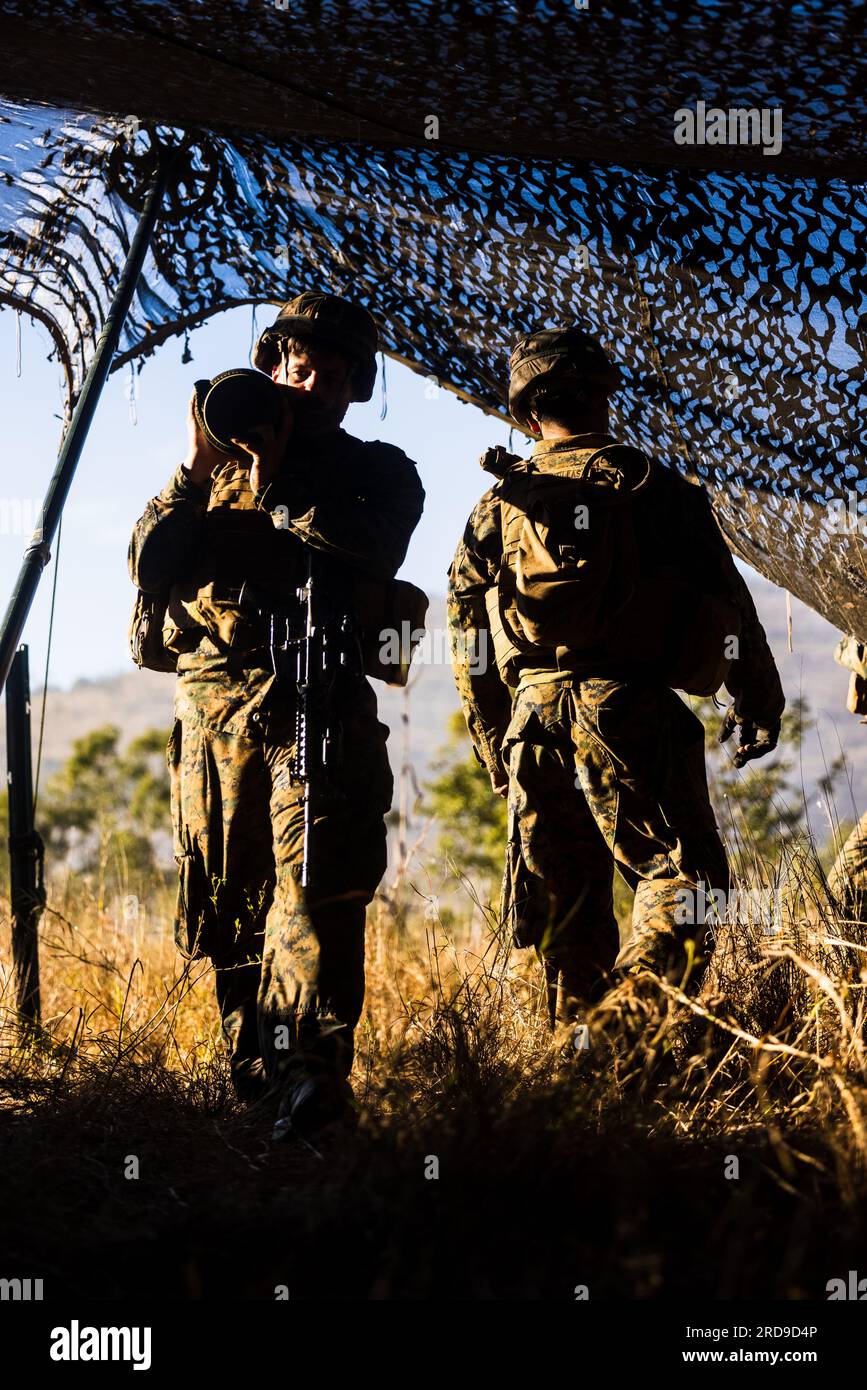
column 759, row 808
column 144, row 769
column 107, row 803
column 473, row 819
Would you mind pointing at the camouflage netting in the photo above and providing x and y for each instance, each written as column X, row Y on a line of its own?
column 727, row 282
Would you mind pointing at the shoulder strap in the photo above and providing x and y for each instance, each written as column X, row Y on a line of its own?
column 511, row 494
column 627, row 450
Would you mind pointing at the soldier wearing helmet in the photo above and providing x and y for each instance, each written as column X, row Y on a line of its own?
column 246, row 520
column 559, row 365
column 599, row 582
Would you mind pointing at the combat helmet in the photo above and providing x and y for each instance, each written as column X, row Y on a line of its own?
column 332, row 322
column 552, row 350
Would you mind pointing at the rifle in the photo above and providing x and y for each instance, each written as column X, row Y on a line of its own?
column 309, row 647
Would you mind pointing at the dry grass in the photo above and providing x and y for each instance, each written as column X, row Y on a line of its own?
column 605, row 1166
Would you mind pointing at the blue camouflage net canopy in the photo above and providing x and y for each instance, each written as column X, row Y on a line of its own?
column 469, row 171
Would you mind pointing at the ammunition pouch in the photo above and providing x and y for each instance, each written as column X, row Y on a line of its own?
column 216, row 607
column 242, row 548
column 508, row 647
column 391, row 615
column 243, row 551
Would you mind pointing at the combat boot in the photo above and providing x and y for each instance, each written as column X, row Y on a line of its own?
column 249, row 1081
column 681, row 961
column 313, row 1104
column 572, row 988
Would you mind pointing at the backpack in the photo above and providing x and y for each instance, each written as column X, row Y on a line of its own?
column 598, row 560
column 569, row 542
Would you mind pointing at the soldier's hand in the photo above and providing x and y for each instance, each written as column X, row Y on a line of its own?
column 499, row 781
column 753, row 740
column 202, row 458
column 266, row 451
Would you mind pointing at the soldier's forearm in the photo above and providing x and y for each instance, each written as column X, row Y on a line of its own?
column 377, row 544
column 166, row 537
column 754, row 685
column 371, row 532
column 753, row 680
column 164, row 554
column 288, row 490
column 183, row 486
column 487, row 744
column 485, row 700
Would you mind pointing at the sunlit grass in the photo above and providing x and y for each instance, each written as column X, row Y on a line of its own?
column 454, row 1058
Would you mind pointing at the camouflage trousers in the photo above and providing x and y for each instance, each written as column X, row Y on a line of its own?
column 289, row 960
column 603, row 773
column 847, row 881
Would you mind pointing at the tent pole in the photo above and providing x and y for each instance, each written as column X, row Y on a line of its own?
column 38, row 552
column 26, row 894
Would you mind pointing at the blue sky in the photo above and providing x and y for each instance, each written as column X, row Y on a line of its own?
column 124, row 464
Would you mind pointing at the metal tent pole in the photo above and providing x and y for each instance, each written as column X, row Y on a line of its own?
column 38, row 552
column 26, row 894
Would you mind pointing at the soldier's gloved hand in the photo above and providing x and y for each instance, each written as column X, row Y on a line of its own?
column 753, row 740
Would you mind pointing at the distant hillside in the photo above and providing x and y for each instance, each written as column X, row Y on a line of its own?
column 137, row 700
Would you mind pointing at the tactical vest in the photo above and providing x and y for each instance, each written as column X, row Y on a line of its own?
column 570, row 559
column 240, row 545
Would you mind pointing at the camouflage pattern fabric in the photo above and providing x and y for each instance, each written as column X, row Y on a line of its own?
column 847, row 881
column 289, row 961
column 601, row 770
column 753, row 680
column 634, row 747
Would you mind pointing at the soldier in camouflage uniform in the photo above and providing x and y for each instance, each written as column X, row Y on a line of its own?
column 601, row 761
column 289, row 960
column 847, row 881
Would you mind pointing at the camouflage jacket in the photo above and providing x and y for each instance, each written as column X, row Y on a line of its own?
column 753, row 680
column 356, row 502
